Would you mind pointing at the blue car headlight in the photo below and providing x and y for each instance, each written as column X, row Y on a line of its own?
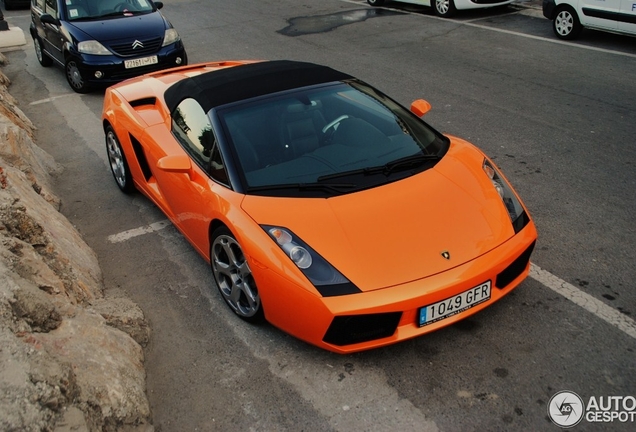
column 517, row 214
column 327, row 280
column 92, row 47
column 171, row 36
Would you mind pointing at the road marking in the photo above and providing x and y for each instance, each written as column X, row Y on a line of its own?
column 555, row 41
column 127, row 235
column 510, row 32
column 547, row 279
column 51, row 99
column 586, row 301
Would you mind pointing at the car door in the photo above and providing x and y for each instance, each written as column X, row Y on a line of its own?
column 191, row 197
column 600, row 13
column 627, row 22
column 52, row 41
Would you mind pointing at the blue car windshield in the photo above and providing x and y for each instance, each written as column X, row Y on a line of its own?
column 344, row 135
column 97, row 9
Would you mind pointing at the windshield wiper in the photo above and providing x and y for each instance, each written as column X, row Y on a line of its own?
column 409, row 162
column 386, row 169
column 120, row 13
column 330, row 187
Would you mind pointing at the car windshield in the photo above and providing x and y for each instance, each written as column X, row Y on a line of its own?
column 327, row 140
column 98, row 9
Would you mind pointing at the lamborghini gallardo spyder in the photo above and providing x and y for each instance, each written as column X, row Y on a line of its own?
column 323, row 206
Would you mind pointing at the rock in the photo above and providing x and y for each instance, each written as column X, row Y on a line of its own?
column 70, row 358
column 123, row 314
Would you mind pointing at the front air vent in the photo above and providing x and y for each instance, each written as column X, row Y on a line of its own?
column 351, row 329
column 515, row 269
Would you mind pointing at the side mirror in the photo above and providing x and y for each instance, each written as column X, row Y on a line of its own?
column 158, row 4
column 48, row 19
column 175, row 164
column 420, row 107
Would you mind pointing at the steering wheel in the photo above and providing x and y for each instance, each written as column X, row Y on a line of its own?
column 333, row 124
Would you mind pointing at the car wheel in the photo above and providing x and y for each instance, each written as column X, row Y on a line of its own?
column 566, row 24
column 233, row 276
column 117, row 162
column 44, row 60
column 375, row 2
column 444, row 8
column 75, row 78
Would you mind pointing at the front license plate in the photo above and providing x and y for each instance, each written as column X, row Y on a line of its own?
column 144, row 61
column 454, row 305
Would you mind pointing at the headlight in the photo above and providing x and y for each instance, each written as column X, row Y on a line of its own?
column 171, row 36
column 92, row 47
column 514, row 207
column 327, row 280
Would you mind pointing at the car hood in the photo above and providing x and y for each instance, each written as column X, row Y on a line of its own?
column 396, row 233
column 111, row 29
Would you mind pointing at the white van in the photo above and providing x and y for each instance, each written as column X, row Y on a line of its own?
column 570, row 16
column 448, row 8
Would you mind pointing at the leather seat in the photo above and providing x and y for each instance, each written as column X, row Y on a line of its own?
column 301, row 126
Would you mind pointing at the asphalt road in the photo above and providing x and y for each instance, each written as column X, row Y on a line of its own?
column 558, row 118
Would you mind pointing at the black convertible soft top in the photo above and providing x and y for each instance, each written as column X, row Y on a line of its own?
column 231, row 84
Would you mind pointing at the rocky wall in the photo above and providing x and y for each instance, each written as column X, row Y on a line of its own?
column 71, row 357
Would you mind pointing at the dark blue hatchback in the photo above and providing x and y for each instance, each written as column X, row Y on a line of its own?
column 101, row 42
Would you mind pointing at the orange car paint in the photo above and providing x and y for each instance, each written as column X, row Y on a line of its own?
column 481, row 247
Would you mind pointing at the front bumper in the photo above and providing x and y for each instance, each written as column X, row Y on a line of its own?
column 357, row 322
column 112, row 67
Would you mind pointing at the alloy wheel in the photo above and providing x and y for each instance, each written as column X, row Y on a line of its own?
column 234, row 277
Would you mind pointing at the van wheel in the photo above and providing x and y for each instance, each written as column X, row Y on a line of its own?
column 566, row 24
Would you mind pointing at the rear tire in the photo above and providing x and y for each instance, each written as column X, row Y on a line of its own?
column 233, row 276
column 444, row 8
column 43, row 59
column 117, row 162
column 566, row 23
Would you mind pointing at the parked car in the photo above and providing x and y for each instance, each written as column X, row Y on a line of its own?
column 16, row 4
column 323, row 206
column 448, row 8
column 99, row 43
column 570, row 16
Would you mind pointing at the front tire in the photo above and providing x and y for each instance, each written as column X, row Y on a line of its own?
column 43, row 59
column 444, row 8
column 117, row 162
column 233, row 276
column 74, row 77
column 566, row 24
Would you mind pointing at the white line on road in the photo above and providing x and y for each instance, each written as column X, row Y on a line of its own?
column 51, row 99
column 127, row 235
column 586, row 301
column 567, row 290
column 510, row 32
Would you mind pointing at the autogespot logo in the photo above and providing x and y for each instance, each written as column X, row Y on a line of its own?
column 566, row 409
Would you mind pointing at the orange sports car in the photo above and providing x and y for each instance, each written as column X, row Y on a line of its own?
column 322, row 205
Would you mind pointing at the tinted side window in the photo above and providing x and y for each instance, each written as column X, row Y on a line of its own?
column 191, row 126
column 51, row 8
